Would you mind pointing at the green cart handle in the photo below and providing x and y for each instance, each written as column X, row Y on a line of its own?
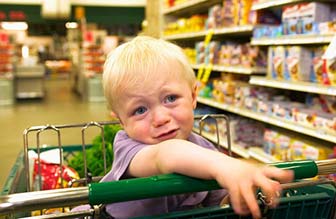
column 172, row 184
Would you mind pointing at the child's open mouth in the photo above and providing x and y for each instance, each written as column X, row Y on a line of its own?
column 168, row 135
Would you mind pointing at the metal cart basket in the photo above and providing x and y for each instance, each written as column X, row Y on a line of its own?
column 301, row 199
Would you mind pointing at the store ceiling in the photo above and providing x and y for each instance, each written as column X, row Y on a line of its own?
column 101, row 14
column 110, row 3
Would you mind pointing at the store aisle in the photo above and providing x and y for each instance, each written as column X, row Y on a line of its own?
column 60, row 106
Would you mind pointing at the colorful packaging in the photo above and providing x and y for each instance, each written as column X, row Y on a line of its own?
column 290, row 17
column 316, row 72
column 278, row 62
column 310, row 15
column 298, row 63
column 269, row 141
column 331, row 70
column 228, row 13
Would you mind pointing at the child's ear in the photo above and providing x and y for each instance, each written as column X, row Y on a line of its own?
column 115, row 116
column 194, row 96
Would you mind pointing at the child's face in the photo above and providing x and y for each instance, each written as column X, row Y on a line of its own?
column 159, row 110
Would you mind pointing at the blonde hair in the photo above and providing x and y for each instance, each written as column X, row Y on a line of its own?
column 136, row 61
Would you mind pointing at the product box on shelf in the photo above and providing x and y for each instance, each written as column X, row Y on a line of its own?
column 207, row 53
column 214, row 19
column 331, row 70
column 310, row 14
column 297, row 63
column 287, row 147
column 244, row 12
column 241, row 92
column 225, row 54
column 317, row 71
column 290, row 18
column 253, row 56
column 229, row 13
column 247, row 132
column 304, row 116
column 282, row 109
column 276, row 62
column 324, row 121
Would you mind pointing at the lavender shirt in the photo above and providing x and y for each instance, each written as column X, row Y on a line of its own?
column 124, row 151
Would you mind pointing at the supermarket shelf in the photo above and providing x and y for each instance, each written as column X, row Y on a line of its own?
column 297, row 86
column 324, row 135
column 182, row 36
column 191, row 5
column 274, row 3
column 292, row 40
column 247, row 29
column 237, row 70
column 223, row 143
column 258, row 154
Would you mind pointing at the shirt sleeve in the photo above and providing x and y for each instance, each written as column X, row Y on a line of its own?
column 124, row 151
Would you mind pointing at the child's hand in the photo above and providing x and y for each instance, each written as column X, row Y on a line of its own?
column 242, row 181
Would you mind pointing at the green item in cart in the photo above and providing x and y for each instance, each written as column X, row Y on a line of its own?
column 94, row 154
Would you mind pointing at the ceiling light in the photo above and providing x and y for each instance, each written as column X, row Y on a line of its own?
column 71, row 25
column 14, row 25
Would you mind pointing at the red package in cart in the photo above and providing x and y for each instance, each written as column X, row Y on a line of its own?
column 49, row 175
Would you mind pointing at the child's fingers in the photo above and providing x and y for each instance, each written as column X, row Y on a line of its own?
column 237, row 202
column 283, row 176
column 270, row 188
column 250, row 199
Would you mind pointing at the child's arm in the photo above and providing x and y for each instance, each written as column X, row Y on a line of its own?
column 239, row 178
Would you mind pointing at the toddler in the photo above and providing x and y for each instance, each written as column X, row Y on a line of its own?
column 151, row 88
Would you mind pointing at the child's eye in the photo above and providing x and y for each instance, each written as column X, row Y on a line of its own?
column 170, row 98
column 140, row 110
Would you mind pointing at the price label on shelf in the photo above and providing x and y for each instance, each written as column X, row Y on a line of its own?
column 200, row 71
column 207, row 73
column 208, row 37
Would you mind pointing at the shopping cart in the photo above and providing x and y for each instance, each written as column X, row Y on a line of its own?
column 301, row 199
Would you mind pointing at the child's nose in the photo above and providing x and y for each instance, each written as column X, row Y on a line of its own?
column 160, row 117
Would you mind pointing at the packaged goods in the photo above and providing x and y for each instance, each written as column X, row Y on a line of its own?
column 297, row 63
column 304, row 116
column 228, row 13
column 225, row 54
column 331, row 70
column 310, row 14
column 200, row 52
column 264, row 17
column 317, row 72
column 290, row 18
column 253, row 56
column 248, row 133
column 236, row 55
column 212, row 52
column 269, row 141
column 265, row 107
column 244, row 12
column 328, row 27
column 287, row 147
column 242, row 91
column 277, row 61
column 324, row 121
column 214, row 19
column 302, row 149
